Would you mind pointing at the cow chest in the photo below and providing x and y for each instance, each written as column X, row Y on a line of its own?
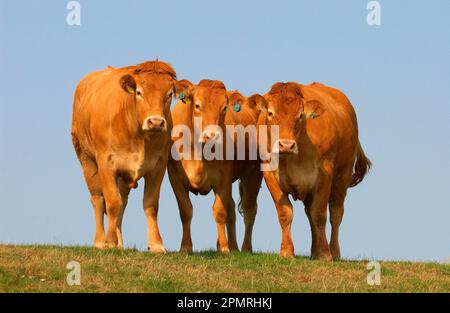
column 297, row 178
column 133, row 165
column 198, row 178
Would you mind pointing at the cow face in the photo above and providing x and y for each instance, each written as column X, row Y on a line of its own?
column 152, row 97
column 208, row 100
column 286, row 107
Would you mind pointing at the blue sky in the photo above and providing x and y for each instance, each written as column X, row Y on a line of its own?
column 397, row 76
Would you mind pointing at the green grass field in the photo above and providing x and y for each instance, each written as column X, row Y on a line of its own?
column 43, row 269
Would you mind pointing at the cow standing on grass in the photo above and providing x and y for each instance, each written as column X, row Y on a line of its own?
column 320, row 158
column 121, row 132
column 217, row 108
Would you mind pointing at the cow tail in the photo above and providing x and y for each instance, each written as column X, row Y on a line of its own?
column 241, row 196
column 76, row 143
column 362, row 166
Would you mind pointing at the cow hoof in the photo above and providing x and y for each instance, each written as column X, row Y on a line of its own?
column 224, row 250
column 99, row 245
column 322, row 257
column 157, row 249
column 233, row 246
column 286, row 254
column 247, row 248
column 186, row 249
column 109, row 245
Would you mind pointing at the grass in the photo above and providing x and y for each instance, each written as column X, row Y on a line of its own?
column 43, row 269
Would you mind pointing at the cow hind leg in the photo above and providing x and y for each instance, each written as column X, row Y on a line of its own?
column 337, row 198
column 248, row 189
column 90, row 172
column 124, row 192
column 114, row 205
column 231, row 225
column 317, row 215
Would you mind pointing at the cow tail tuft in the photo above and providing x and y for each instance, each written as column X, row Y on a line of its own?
column 362, row 166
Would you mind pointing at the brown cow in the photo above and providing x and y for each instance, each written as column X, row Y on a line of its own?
column 210, row 101
column 320, row 158
column 121, row 132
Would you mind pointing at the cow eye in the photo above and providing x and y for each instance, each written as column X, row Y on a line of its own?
column 139, row 93
column 170, row 94
column 224, row 109
column 197, row 106
column 270, row 114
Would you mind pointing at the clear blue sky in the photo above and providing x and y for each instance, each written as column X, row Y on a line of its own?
column 397, row 76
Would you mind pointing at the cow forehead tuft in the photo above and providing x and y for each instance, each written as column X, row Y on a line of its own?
column 286, row 89
column 213, row 84
column 155, row 67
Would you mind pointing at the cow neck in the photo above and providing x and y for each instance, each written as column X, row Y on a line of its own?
column 306, row 147
column 130, row 119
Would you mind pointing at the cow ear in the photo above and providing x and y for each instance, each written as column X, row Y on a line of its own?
column 258, row 102
column 128, row 83
column 183, row 89
column 313, row 109
column 234, row 100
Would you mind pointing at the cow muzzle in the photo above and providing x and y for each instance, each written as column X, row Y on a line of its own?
column 287, row 146
column 208, row 135
column 154, row 123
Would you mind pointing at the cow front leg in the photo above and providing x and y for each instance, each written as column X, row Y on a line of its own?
column 220, row 211
column 184, row 206
column 285, row 213
column 248, row 189
column 151, row 201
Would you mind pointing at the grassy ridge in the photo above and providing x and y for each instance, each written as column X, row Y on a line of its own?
column 43, row 269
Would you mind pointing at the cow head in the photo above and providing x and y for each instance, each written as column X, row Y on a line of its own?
column 285, row 106
column 207, row 100
column 151, row 86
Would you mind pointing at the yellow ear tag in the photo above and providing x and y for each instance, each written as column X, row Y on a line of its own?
column 188, row 101
column 130, row 90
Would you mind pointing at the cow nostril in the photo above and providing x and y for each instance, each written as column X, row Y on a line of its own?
column 287, row 145
column 207, row 135
column 156, row 123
